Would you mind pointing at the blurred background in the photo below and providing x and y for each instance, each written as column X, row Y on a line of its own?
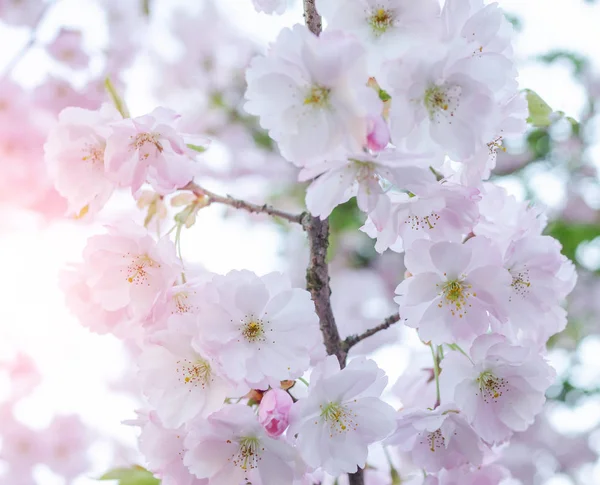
column 64, row 391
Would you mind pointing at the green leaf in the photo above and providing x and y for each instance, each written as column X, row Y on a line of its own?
column 384, row 95
column 539, row 143
column 539, row 111
column 116, row 99
column 196, row 148
column 135, row 475
column 571, row 235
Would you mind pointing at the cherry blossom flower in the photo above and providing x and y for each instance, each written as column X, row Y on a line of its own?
column 164, row 449
column 361, row 176
column 150, row 149
column 180, row 381
column 436, row 211
column 541, row 278
column 342, row 415
column 91, row 314
column 378, row 134
column 127, row 269
column 232, row 447
column 67, row 441
column 438, row 439
column 74, row 153
column 274, row 410
column 452, row 289
column 505, row 219
column 21, row 12
column 259, row 328
column 23, row 374
column 67, row 48
column 387, row 25
column 443, row 101
column 311, row 94
column 500, row 388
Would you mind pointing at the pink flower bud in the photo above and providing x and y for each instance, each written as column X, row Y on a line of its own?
column 273, row 411
column 378, row 134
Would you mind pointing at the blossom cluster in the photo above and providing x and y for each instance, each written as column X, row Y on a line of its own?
column 402, row 105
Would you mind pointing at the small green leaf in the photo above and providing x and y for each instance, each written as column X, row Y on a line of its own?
column 384, row 95
column 135, row 475
column 571, row 235
column 539, row 111
column 196, row 148
column 116, row 99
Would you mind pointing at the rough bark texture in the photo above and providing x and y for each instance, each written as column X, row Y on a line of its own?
column 317, row 274
column 317, row 283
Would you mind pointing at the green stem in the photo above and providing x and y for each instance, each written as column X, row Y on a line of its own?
column 304, row 381
column 436, row 373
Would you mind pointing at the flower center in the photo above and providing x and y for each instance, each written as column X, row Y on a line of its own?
column 455, row 294
column 441, row 102
column 180, row 302
column 94, row 155
column 248, row 454
column 520, row 283
column 491, row 387
column 318, row 96
column 137, row 271
column 254, row 330
column 196, row 373
column 435, row 440
column 418, row 222
column 141, row 140
column 381, row 20
column 339, row 418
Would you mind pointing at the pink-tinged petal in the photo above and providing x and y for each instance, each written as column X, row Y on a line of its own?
column 450, row 258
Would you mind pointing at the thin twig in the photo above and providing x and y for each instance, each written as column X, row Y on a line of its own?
column 30, row 42
column 436, row 373
column 354, row 339
column 312, row 17
column 243, row 205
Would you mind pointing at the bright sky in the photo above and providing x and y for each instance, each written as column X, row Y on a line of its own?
column 74, row 362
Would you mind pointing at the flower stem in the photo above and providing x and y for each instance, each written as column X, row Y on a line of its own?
column 436, row 373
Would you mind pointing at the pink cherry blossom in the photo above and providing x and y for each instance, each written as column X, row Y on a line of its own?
column 259, row 328
column 67, row 48
column 311, row 94
column 435, row 211
column 23, row 374
column 378, row 134
column 505, row 219
column 150, row 149
column 500, row 388
column 273, row 411
column 90, row 313
column 74, row 153
column 127, row 269
column 180, row 381
column 232, row 447
column 541, row 278
column 342, row 415
column 361, row 176
column 445, row 100
column 22, row 447
column 452, row 288
column 164, row 450
column 383, row 25
column 438, row 439
column 67, row 440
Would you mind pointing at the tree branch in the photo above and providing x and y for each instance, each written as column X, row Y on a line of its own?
column 354, row 339
column 317, row 273
column 312, row 17
column 243, row 205
column 317, row 283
